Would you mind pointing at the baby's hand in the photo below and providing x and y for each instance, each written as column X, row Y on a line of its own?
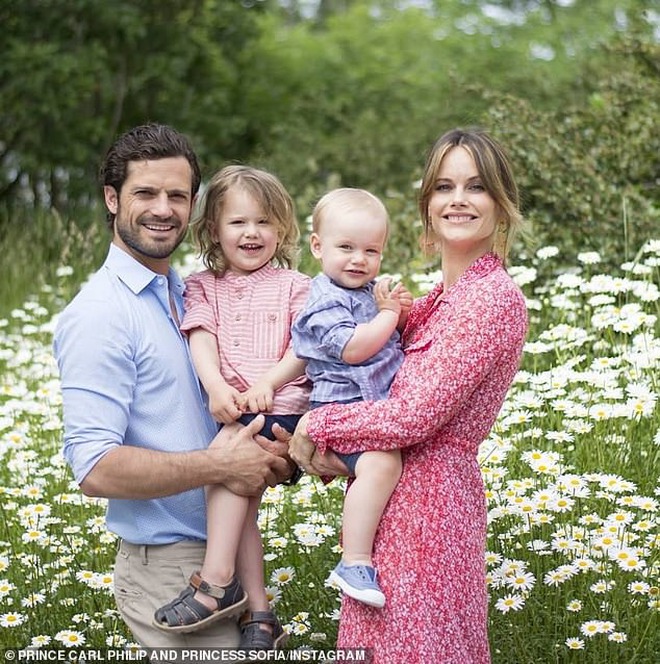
column 404, row 296
column 258, row 399
column 225, row 404
column 385, row 299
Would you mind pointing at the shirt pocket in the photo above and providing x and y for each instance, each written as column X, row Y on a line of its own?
column 271, row 334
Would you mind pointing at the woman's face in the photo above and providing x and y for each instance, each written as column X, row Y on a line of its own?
column 463, row 215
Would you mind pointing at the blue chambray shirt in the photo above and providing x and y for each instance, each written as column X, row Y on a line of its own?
column 322, row 330
column 127, row 379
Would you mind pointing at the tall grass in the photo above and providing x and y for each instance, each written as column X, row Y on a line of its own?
column 571, row 472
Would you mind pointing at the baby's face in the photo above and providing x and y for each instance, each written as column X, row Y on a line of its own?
column 350, row 246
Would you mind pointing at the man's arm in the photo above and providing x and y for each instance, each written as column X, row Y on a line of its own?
column 237, row 461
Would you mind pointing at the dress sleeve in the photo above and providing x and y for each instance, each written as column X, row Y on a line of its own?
column 449, row 364
column 199, row 311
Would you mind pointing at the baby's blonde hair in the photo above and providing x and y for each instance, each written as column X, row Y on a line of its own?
column 347, row 198
column 272, row 197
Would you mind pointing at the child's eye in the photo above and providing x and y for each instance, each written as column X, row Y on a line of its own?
column 264, row 221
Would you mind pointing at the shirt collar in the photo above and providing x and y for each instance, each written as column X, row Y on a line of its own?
column 482, row 267
column 135, row 275
column 263, row 273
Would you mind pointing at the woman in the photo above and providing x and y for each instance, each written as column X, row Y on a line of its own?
column 463, row 343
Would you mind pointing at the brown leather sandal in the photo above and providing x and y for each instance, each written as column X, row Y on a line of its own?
column 253, row 637
column 186, row 614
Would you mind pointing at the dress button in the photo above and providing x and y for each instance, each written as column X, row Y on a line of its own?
column 272, row 316
column 237, row 342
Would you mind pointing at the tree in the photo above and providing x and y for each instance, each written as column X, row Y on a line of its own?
column 74, row 74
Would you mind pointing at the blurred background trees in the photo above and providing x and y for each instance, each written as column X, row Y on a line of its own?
column 350, row 92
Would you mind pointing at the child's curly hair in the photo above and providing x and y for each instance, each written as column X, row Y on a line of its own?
column 271, row 196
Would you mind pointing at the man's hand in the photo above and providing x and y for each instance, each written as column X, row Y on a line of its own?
column 250, row 464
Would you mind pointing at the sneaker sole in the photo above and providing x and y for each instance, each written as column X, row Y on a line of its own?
column 366, row 596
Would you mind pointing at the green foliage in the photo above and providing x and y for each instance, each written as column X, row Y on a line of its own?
column 73, row 75
column 352, row 95
column 589, row 173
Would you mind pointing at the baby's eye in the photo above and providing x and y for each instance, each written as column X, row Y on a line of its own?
column 346, row 247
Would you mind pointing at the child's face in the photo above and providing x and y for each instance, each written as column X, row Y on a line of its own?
column 350, row 245
column 247, row 236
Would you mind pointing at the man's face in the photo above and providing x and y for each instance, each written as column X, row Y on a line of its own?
column 152, row 210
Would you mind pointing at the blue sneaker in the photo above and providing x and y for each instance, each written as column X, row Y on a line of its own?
column 358, row 582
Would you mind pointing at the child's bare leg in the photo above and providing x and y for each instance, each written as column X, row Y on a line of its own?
column 376, row 475
column 226, row 514
column 250, row 562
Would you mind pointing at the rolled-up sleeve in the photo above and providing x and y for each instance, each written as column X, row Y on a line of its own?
column 199, row 311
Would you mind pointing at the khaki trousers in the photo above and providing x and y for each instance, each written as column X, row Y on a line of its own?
column 146, row 577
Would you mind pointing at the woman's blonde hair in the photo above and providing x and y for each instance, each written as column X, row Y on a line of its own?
column 496, row 175
column 272, row 197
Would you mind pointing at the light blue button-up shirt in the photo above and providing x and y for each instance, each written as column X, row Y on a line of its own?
column 127, row 379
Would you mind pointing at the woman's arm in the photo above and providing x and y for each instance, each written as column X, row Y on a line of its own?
column 463, row 351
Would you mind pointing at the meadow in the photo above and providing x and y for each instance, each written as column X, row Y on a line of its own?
column 571, row 473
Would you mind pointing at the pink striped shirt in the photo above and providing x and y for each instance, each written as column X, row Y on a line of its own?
column 251, row 317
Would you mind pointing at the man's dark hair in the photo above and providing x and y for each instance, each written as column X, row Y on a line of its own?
column 145, row 143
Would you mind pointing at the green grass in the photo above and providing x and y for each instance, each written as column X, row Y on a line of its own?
column 571, row 471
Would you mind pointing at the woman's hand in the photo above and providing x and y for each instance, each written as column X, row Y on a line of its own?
column 304, row 453
column 301, row 446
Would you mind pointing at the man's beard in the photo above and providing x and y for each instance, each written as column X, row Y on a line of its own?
column 132, row 237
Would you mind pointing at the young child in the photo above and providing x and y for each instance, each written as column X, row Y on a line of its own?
column 238, row 315
column 348, row 333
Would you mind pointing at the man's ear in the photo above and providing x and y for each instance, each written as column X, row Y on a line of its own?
column 111, row 198
column 315, row 245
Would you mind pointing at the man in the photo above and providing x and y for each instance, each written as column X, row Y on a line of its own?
column 137, row 428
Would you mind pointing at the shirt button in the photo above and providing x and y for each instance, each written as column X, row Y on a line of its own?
column 272, row 316
column 237, row 342
column 238, row 317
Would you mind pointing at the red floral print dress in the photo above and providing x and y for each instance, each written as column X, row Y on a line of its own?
column 462, row 351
